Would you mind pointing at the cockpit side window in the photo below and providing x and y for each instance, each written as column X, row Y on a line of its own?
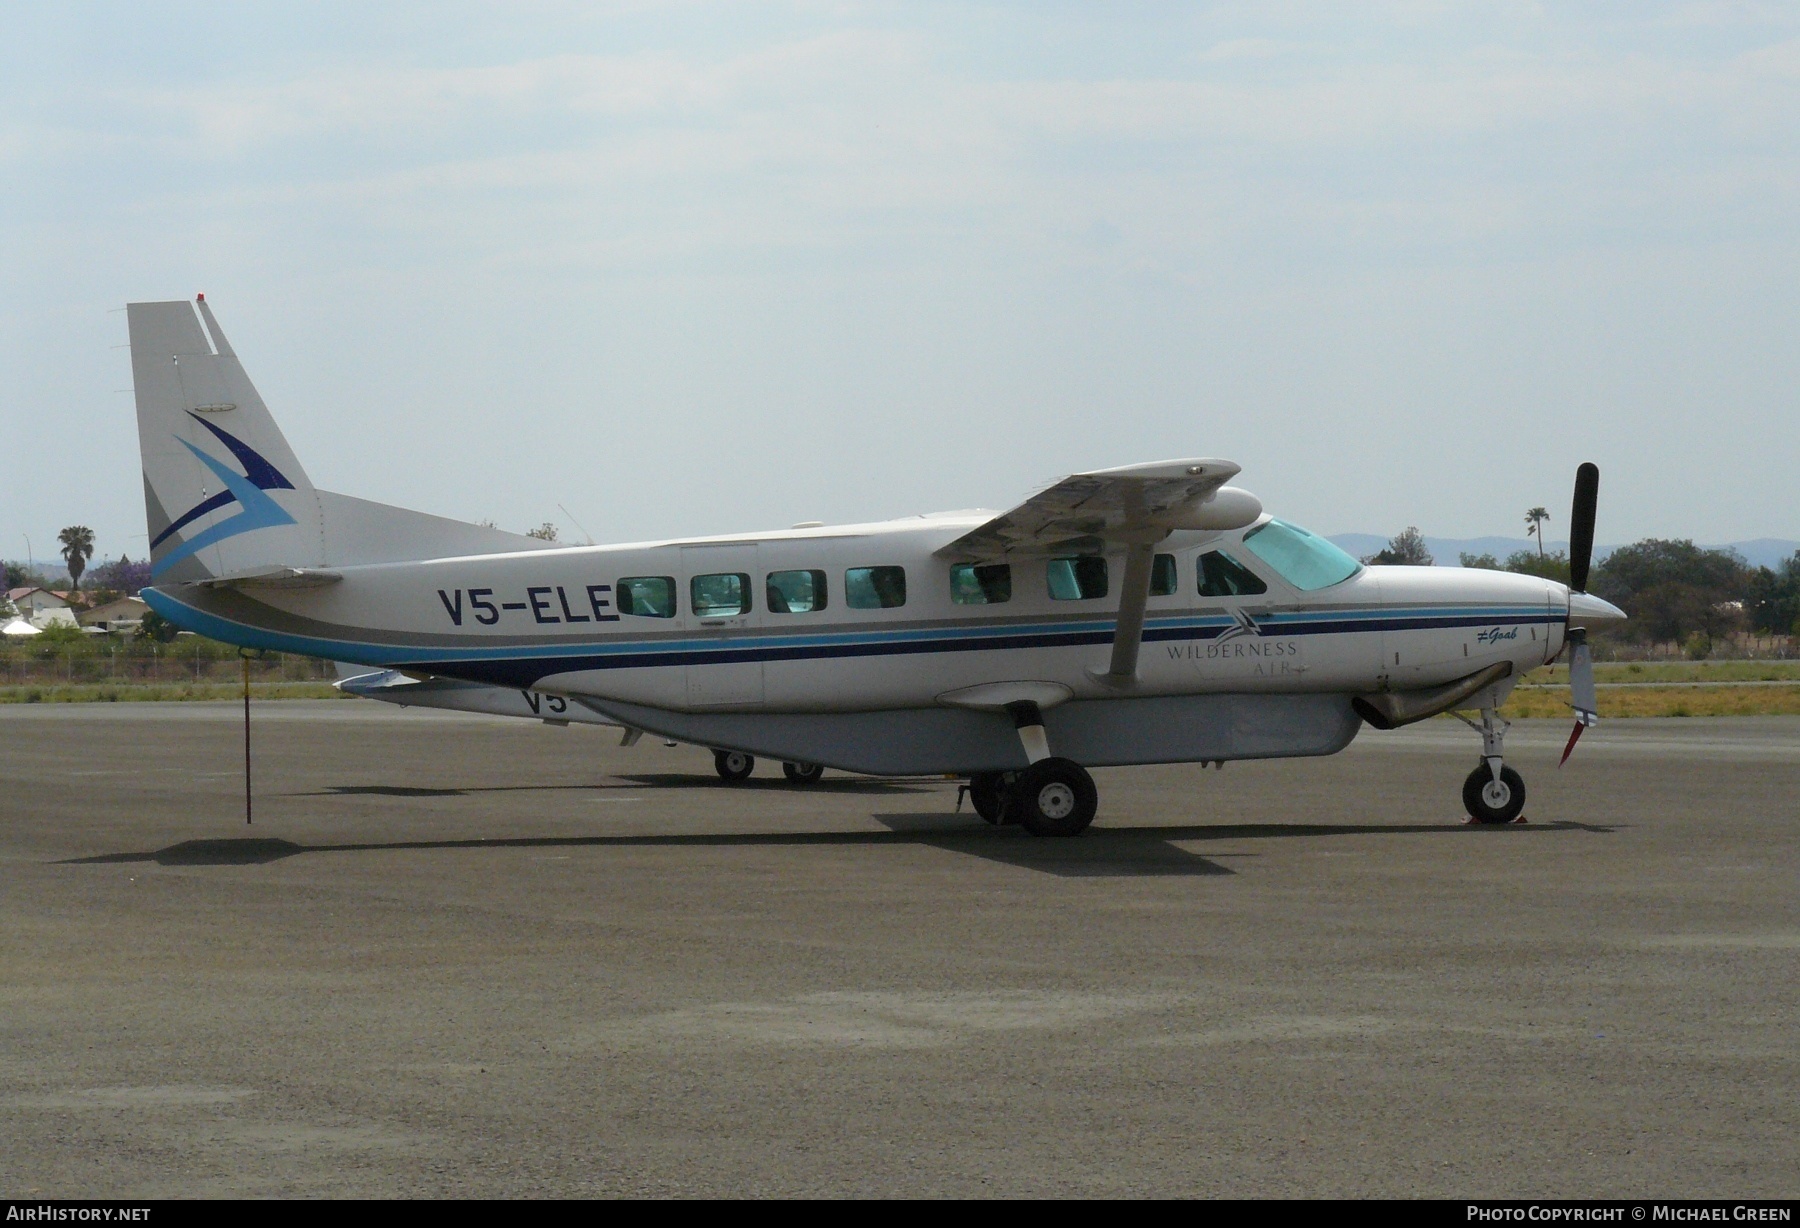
column 1162, row 576
column 1305, row 560
column 1220, row 575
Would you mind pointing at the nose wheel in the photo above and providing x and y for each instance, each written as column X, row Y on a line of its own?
column 1493, row 792
column 1490, row 800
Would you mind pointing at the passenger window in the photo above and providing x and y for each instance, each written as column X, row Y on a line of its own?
column 980, row 584
column 647, row 596
column 720, row 596
column 1223, row 576
column 875, row 588
column 795, row 592
column 1081, row 578
column 1162, row 576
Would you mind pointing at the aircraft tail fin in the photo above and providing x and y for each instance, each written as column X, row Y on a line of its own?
column 224, row 493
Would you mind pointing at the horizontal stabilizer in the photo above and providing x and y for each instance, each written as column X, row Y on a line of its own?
column 277, row 577
column 410, row 691
column 226, row 498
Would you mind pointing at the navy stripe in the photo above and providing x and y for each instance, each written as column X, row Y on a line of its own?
column 511, row 670
column 198, row 510
column 526, row 668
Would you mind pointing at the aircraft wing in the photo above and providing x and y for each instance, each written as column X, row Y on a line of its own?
column 1128, row 505
column 1136, row 507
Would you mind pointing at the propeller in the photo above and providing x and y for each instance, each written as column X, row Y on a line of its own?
column 1581, row 556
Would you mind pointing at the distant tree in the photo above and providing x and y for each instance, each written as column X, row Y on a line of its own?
column 545, row 532
column 155, row 627
column 60, row 633
column 1406, row 549
column 1673, row 588
column 77, row 548
column 120, row 576
column 1549, row 566
column 1534, row 526
column 1486, row 562
column 1642, row 565
column 1773, row 600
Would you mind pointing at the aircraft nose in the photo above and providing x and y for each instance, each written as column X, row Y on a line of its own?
column 1585, row 610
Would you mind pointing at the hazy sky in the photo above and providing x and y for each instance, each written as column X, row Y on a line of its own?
column 693, row 268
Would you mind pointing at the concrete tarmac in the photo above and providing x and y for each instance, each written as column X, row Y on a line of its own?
column 470, row 956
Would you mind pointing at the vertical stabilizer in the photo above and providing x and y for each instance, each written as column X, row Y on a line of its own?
column 223, row 492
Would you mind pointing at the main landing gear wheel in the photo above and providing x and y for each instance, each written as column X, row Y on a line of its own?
column 987, row 793
column 1054, row 797
column 734, row 765
column 802, row 773
column 1494, row 801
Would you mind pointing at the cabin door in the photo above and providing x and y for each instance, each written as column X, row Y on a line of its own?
column 720, row 590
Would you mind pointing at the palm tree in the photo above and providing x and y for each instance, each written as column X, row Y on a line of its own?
column 1534, row 526
column 77, row 548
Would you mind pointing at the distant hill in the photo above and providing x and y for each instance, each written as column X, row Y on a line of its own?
column 1760, row 552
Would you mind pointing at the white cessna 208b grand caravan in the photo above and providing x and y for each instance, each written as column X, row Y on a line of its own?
column 1148, row 614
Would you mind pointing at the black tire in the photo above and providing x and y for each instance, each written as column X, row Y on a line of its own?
column 802, row 773
column 1054, row 797
column 734, row 765
column 1488, row 802
column 987, row 793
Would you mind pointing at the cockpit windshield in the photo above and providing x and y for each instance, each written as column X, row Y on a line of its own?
column 1306, row 561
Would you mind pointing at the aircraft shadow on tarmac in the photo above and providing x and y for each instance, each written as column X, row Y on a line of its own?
column 652, row 780
column 1102, row 853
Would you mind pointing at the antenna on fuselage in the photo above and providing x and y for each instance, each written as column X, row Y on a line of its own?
column 571, row 515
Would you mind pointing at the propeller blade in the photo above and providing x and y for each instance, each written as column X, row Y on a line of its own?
column 1581, row 524
column 1574, row 737
column 1581, row 688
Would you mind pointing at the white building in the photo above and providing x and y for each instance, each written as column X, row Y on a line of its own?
column 124, row 614
column 42, row 608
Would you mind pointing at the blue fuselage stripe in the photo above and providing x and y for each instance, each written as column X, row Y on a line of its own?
column 513, row 663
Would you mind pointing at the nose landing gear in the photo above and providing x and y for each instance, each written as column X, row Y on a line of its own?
column 1493, row 792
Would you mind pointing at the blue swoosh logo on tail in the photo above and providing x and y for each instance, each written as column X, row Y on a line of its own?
column 245, row 489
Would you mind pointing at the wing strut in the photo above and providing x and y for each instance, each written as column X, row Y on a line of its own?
column 1134, row 595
